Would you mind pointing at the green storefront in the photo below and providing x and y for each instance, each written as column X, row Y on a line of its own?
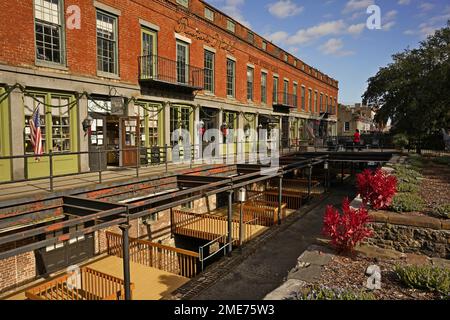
column 59, row 127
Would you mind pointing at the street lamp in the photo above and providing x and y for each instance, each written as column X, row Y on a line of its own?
column 242, row 194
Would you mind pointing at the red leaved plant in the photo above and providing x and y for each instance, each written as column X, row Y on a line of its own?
column 377, row 189
column 346, row 230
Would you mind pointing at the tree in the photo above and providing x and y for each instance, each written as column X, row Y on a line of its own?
column 414, row 90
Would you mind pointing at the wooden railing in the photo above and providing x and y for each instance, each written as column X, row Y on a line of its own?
column 293, row 200
column 265, row 212
column 210, row 227
column 88, row 285
column 298, row 186
column 155, row 255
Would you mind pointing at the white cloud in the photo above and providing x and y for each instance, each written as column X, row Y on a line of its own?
column 357, row 5
column 334, row 47
column 431, row 25
column 284, row 9
column 404, row 2
column 233, row 9
column 311, row 34
column 388, row 20
column 356, row 29
column 426, row 6
column 303, row 36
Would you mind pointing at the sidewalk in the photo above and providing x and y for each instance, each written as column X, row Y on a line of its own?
column 263, row 266
column 41, row 187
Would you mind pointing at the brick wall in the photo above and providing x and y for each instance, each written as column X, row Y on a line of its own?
column 18, row 47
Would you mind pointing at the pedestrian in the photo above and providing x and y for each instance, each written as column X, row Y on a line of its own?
column 357, row 139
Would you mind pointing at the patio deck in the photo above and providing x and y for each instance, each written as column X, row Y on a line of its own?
column 149, row 283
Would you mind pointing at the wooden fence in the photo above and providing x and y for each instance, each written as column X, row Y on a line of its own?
column 293, row 200
column 88, row 285
column 155, row 255
column 210, row 227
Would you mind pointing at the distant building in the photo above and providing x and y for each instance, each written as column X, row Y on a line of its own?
column 355, row 117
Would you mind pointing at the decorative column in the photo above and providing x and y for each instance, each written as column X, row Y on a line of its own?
column 17, row 133
column 84, row 138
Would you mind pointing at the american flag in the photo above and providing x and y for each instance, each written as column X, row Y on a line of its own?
column 36, row 136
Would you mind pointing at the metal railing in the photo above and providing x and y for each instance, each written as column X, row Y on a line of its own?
column 154, row 156
column 153, row 67
column 285, row 99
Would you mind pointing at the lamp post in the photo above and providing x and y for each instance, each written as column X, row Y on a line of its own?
column 241, row 198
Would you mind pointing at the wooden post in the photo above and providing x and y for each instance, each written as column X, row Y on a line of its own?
column 230, row 214
column 280, row 197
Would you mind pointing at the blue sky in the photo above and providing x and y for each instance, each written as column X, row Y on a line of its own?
column 332, row 35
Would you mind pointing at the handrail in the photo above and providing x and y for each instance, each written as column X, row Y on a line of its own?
column 173, row 260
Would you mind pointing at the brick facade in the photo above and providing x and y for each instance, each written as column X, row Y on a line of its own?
column 18, row 45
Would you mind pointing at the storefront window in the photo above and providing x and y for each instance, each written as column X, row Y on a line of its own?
column 30, row 105
column 179, row 118
column 60, row 124
column 148, row 115
column 230, row 125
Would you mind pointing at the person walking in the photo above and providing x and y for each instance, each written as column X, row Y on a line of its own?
column 357, row 139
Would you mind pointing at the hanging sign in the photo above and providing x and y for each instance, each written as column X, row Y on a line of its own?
column 117, row 106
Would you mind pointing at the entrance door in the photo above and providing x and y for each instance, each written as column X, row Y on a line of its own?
column 97, row 143
column 130, row 140
column 284, row 132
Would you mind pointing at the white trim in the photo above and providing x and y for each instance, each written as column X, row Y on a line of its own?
column 149, row 25
column 182, row 38
column 251, row 65
column 106, row 8
column 264, row 71
column 231, row 58
column 286, row 79
column 295, row 82
column 209, row 49
column 275, row 75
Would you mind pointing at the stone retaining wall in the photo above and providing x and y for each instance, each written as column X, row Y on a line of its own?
column 411, row 234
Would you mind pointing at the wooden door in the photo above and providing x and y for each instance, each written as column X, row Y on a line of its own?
column 97, row 143
column 130, row 141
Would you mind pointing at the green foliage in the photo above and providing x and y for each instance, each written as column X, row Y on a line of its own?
column 442, row 160
column 442, row 211
column 408, row 187
column 416, row 161
column 400, row 140
column 407, row 202
column 408, row 175
column 325, row 293
column 416, row 79
column 428, row 278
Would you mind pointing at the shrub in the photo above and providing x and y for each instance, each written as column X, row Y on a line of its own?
column 407, row 187
column 346, row 230
column 325, row 293
column 400, row 140
column 407, row 174
column 442, row 211
column 416, row 161
column 407, row 202
column 376, row 189
column 428, row 278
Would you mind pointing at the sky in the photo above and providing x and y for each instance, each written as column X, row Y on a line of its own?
column 333, row 35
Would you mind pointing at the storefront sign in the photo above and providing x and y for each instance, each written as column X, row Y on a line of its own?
column 215, row 41
column 262, row 64
column 117, row 106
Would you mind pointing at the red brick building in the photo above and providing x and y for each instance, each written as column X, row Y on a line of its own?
column 169, row 65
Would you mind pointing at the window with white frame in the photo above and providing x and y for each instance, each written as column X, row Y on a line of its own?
column 48, row 23
column 275, row 90
column 231, row 26
column 231, row 70
column 209, row 71
column 209, row 14
column 264, row 45
column 107, row 43
column 250, row 76
column 303, row 98
column 264, row 87
column 295, row 94
column 184, row 3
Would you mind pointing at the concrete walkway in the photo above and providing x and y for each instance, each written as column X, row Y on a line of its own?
column 41, row 187
column 264, row 270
